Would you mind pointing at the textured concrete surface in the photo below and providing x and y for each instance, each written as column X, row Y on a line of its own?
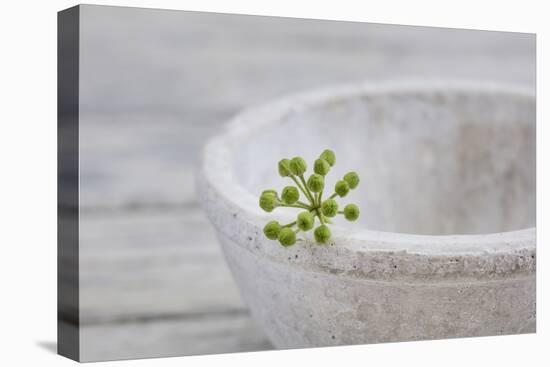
column 454, row 253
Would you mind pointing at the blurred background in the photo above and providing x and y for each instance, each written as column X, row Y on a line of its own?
column 154, row 85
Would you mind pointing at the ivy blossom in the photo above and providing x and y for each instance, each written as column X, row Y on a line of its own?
column 313, row 207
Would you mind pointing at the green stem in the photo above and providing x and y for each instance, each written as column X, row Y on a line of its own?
column 300, row 187
column 295, row 206
column 340, row 212
column 320, row 216
column 289, row 224
column 311, row 198
column 333, row 196
column 304, row 204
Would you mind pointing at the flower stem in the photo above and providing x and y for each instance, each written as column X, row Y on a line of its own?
column 302, row 189
column 295, row 206
column 311, row 198
column 320, row 216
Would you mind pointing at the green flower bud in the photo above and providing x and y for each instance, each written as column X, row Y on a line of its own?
column 298, row 166
column 287, row 237
column 316, row 182
column 321, row 167
column 284, row 167
column 322, row 234
column 270, row 191
column 305, row 221
column 329, row 156
column 290, row 195
column 341, row 188
column 272, row 230
column 351, row 212
column 352, row 179
column 329, row 207
column 268, row 201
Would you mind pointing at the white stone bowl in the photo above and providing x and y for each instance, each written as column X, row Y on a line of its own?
column 445, row 246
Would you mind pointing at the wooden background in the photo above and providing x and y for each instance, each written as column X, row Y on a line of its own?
column 154, row 86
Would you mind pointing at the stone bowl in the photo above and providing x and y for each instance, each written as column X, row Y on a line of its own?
column 445, row 246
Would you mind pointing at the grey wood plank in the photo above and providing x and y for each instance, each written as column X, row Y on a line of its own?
column 135, row 161
column 173, row 337
column 169, row 62
column 138, row 264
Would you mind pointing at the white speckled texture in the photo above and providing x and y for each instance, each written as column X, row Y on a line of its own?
column 446, row 244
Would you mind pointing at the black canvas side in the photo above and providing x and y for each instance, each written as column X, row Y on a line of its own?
column 68, row 25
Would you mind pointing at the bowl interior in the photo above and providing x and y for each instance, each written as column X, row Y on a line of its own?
column 430, row 161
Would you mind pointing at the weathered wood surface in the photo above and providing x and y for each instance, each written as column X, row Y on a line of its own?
column 139, row 265
column 154, row 86
column 197, row 334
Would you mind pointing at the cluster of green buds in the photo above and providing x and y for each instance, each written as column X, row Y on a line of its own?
column 314, row 205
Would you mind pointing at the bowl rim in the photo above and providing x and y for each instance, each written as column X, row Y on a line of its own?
column 217, row 158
